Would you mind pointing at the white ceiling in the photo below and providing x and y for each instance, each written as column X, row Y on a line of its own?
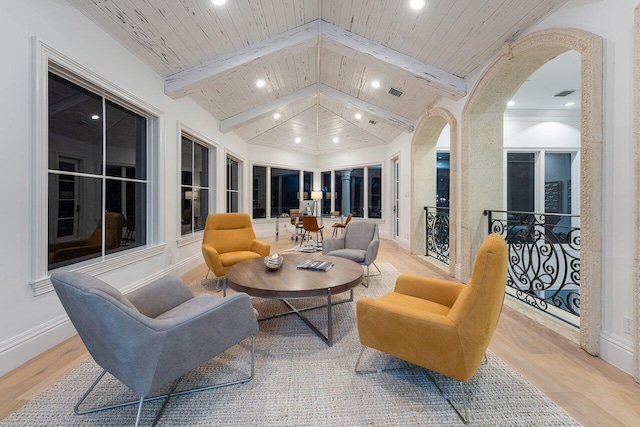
column 560, row 74
column 318, row 59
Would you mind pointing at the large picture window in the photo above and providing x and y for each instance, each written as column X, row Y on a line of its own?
column 194, row 187
column 277, row 190
column 356, row 190
column 97, row 175
column 285, row 188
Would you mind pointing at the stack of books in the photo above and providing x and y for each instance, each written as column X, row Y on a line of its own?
column 315, row 265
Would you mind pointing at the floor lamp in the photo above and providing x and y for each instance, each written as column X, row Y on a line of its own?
column 316, row 196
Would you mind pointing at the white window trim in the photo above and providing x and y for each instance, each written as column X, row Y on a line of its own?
column 241, row 162
column 213, row 149
column 42, row 55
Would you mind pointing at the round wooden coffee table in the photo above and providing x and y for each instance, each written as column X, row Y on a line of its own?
column 288, row 282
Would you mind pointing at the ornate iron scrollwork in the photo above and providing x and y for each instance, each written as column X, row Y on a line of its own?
column 437, row 229
column 544, row 257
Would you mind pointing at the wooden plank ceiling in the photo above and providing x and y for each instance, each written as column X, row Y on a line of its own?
column 318, row 59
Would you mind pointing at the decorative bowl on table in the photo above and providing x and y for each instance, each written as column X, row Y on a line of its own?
column 273, row 262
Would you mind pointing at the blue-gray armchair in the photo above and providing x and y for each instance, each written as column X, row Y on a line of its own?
column 154, row 335
column 359, row 243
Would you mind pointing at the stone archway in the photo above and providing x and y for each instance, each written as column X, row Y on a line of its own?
column 481, row 154
column 423, row 177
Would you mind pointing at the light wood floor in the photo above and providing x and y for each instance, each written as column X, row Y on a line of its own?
column 592, row 391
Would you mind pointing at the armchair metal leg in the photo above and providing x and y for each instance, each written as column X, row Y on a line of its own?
column 173, row 393
column 224, row 285
column 366, row 283
column 378, row 371
column 465, row 417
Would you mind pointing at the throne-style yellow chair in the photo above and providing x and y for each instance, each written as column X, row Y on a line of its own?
column 436, row 324
column 228, row 239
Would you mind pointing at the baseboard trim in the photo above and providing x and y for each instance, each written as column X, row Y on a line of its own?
column 25, row 346
column 617, row 351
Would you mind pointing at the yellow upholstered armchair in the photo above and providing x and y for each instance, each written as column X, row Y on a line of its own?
column 228, row 239
column 61, row 252
column 439, row 325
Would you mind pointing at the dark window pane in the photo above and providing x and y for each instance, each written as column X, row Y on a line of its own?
column 232, row 174
column 186, row 222
column 285, row 186
column 521, row 182
column 126, row 140
column 259, row 192
column 72, row 130
column 75, row 233
column 134, row 208
column 200, row 165
column 442, row 180
column 187, row 161
column 200, row 209
column 327, row 193
column 375, row 191
column 338, row 195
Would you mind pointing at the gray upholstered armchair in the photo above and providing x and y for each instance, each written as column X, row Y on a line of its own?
column 359, row 243
column 155, row 334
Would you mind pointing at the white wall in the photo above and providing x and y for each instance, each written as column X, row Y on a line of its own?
column 537, row 130
column 28, row 324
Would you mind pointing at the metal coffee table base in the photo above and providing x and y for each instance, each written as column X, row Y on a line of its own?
column 328, row 339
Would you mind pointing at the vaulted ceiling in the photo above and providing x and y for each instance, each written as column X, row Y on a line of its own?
column 318, row 59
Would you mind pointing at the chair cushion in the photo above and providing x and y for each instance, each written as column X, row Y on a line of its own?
column 231, row 258
column 415, row 303
column 356, row 255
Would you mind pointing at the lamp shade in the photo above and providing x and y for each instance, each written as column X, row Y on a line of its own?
column 316, row 195
column 188, row 195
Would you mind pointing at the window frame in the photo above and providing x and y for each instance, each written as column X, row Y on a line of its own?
column 212, row 146
column 366, row 189
column 47, row 59
column 539, row 170
column 240, row 160
column 269, row 167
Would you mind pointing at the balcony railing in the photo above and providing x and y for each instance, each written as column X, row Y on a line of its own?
column 437, row 233
column 544, row 259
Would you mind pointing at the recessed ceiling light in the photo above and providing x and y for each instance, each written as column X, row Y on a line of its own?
column 298, row 140
column 218, row 2
column 375, row 84
column 416, row 4
column 261, row 83
column 95, row 117
column 276, row 116
column 335, row 139
column 358, row 116
column 511, row 104
column 570, row 104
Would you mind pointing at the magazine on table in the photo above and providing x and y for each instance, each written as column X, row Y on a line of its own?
column 315, row 265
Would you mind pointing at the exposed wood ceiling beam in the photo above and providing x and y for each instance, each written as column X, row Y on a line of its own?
column 375, row 55
column 253, row 114
column 304, row 37
column 234, row 122
column 273, row 49
column 406, row 124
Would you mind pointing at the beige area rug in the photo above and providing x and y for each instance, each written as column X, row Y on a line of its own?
column 299, row 381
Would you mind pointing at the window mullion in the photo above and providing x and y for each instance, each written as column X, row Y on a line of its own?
column 104, row 178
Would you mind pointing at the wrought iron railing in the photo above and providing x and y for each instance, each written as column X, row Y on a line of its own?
column 544, row 258
column 437, row 233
